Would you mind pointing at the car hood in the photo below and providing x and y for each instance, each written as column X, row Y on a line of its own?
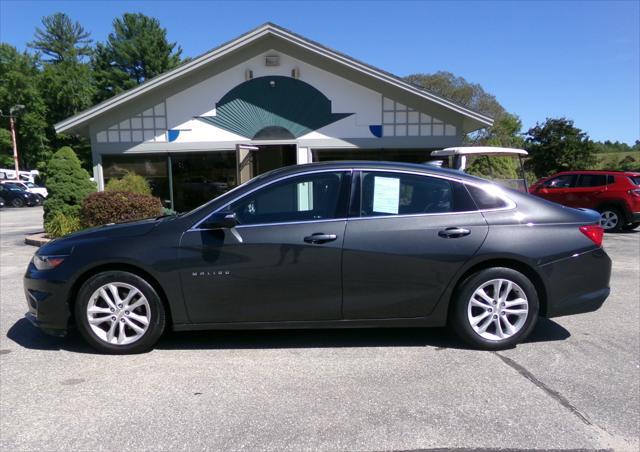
column 65, row 244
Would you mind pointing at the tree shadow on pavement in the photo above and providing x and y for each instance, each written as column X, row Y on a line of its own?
column 27, row 336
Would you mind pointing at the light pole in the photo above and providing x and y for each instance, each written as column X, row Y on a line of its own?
column 11, row 116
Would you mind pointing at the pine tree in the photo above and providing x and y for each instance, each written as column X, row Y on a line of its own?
column 137, row 50
column 61, row 39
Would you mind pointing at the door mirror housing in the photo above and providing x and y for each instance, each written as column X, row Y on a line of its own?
column 220, row 220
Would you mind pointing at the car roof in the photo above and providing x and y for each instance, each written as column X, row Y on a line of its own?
column 620, row 173
column 376, row 165
column 478, row 150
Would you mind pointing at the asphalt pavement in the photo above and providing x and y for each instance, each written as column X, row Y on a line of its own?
column 574, row 385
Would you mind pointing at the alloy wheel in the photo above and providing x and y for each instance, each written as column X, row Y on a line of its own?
column 118, row 313
column 609, row 220
column 498, row 309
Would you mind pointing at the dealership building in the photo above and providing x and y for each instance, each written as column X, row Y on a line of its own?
column 267, row 99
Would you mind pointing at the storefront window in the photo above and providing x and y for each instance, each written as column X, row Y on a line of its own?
column 200, row 177
column 152, row 167
column 391, row 155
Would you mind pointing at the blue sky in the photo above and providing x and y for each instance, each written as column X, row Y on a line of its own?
column 540, row 59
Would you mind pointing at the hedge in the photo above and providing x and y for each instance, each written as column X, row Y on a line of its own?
column 117, row 206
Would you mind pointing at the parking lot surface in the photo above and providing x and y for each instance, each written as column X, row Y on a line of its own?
column 575, row 384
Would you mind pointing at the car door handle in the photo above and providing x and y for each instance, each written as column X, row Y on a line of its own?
column 319, row 237
column 454, row 233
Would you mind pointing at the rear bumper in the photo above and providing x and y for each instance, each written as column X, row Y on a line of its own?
column 577, row 284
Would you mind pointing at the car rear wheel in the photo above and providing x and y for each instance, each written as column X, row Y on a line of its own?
column 611, row 219
column 119, row 313
column 495, row 308
column 17, row 202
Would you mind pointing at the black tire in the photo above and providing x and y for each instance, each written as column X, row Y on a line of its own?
column 157, row 315
column 17, row 202
column 615, row 212
column 630, row 226
column 462, row 298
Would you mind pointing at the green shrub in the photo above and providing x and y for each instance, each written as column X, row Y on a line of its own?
column 130, row 182
column 68, row 184
column 118, row 206
column 60, row 224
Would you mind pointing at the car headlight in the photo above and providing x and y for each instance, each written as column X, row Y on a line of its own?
column 25, row 195
column 47, row 262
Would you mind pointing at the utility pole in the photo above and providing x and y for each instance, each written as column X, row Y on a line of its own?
column 12, row 124
column 15, row 146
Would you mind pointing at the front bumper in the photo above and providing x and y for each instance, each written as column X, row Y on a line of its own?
column 635, row 217
column 47, row 304
column 577, row 284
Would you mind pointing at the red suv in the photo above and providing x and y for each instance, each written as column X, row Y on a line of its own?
column 615, row 194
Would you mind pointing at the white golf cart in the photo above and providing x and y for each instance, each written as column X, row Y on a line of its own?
column 459, row 157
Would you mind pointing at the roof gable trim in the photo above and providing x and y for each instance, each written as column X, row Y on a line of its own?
column 247, row 38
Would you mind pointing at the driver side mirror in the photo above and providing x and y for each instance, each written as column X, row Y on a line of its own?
column 220, row 220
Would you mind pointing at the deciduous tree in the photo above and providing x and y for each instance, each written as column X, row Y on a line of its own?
column 18, row 86
column 557, row 145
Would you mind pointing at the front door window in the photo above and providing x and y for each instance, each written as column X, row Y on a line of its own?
column 316, row 196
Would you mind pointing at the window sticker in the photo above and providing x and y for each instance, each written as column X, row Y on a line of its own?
column 386, row 194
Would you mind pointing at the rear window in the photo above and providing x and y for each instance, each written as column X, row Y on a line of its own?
column 484, row 199
column 635, row 180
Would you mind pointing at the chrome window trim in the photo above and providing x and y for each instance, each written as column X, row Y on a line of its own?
column 284, row 223
column 510, row 203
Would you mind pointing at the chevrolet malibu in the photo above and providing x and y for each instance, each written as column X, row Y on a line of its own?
column 350, row 244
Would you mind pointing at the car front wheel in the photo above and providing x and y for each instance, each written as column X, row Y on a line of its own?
column 495, row 308
column 119, row 313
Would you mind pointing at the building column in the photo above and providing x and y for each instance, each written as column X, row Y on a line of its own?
column 303, row 155
column 97, row 172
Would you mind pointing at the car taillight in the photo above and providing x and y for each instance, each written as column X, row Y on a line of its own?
column 635, row 192
column 594, row 232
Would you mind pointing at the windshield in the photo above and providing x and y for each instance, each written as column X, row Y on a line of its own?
column 635, row 180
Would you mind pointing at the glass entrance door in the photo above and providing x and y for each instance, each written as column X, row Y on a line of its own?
column 255, row 160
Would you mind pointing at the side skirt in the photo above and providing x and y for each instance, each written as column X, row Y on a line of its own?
column 368, row 323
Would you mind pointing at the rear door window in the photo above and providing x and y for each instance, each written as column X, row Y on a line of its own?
column 592, row 180
column 388, row 193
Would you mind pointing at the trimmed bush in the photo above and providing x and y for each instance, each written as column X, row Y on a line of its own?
column 130, row 182
column 118, row 206
column 68, row 184
column 60, row 224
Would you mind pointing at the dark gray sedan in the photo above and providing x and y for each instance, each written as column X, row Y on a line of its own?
column 350, row 244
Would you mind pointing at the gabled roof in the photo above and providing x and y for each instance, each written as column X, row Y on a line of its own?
column 476, row 120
